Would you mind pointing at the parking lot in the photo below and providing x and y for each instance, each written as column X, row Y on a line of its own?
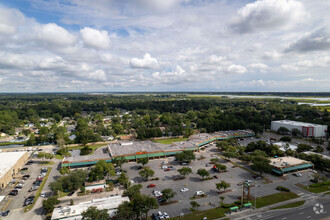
column 15, row 203
column 193, row 182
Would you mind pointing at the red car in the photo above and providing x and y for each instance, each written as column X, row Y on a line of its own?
column 168, row 169
column 151, row 185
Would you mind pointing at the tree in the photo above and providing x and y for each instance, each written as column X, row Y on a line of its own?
column 185, row 157
column 221, row 198
column 100, row 170
column 133, row 191
column 303, row 148
column 124, row 180
column 146, row 173
column 148, row 204
column 185, row 171
column 49, row 204
column 296, row 132
column 283, row 130
column 318, row 149
column 168, row 194
column 286, row 139
column 125, row 210
column 93, row 213
column 73, row 181
column 143, row 161
column 202, row 172
column 261, row 164
column 220, row 166
column 119, row 161
column 194, row 205
column 223, row 184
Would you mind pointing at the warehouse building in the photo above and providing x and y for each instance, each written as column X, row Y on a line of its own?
column 73, row 212
column 307, row 129
column 135, row 150
column 284, row 165
column 10, row 164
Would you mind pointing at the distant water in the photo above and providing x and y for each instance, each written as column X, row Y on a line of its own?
column 275, row 97
column 313, row 104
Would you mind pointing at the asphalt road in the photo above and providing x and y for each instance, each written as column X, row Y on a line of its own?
column 315, row 209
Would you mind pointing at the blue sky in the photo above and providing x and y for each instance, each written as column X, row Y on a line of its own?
column 156, row 45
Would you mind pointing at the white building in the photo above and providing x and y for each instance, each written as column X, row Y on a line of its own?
column 73, row 212
column 307, row 129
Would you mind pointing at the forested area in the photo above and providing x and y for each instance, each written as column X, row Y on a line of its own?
column 176, row 114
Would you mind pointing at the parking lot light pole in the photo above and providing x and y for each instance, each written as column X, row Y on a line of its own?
column 307, row 178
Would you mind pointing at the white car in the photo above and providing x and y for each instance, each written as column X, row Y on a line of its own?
column 164, row 167
column 184, row 190
column 248, row 181
column 199, row 193
column 42, row 195
column 166, row 215
column 314, row 171
column 165, row 162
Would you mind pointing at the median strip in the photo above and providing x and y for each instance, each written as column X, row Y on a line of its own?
column 29, row 207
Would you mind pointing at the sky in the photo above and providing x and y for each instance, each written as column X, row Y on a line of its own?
column 157, row 45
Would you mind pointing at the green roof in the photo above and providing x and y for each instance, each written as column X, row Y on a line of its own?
column 248, row 204
column 172, row 153
column 301, row 166
column 130, row 157
column 192, row 148
column 234, row 208
column 161, row 154
column 138, row 156
column 277, row 171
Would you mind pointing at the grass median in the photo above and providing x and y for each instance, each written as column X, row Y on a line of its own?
column 317, row 187
column 290, row 205
column 29, row 207
column 275, row 198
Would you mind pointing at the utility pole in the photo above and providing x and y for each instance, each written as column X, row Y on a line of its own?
column 255, row 195
column 307, row 177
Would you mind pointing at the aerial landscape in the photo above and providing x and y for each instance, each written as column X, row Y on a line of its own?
column 153, row 109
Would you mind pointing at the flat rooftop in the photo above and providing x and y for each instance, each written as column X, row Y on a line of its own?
column 74, row 212
column 127, row 148
column 282, row 162
column 8, row 160
column 298, row 123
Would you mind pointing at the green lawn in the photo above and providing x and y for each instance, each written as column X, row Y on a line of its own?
column 317, row 188
column 60, row 157
column 170, row 140
column 291, row 205
column 274, row 198
column 29, row 207
column 45, row 163
column 210, row 214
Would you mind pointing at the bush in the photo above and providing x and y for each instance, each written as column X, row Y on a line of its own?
column 226, row 206
column 283, row 189
column 85, row 151
column 286, row 139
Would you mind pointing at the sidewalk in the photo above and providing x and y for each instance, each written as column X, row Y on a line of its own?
column 249, row 212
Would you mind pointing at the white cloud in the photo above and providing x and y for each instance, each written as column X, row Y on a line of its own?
column 258, row 66
column 53, row 34
column 238, row 69
column 288, row 67
column 178, row 75
column 147, row 62
column 98, row 75
column 95, row 38
column 269, row 15
column 9, row 19
column 316, row 40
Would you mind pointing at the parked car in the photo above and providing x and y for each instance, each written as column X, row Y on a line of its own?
column 166, row 215
column 42, row 195
column 5, row 213
column 151, row 185
column 25, row 177
column 314, row 171
column 168, row 169
column 14, row 192
column 215, row 176
column 184, row 189
column 248, row 181
column 71, row 193
column 199, row 193
column 257, row 177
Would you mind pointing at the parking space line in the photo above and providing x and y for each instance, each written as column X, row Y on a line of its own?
column 4, row 208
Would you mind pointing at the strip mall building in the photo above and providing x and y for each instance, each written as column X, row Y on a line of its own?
column 135, row 150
